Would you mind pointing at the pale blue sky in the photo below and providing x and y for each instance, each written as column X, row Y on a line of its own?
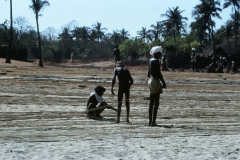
column 131, row 15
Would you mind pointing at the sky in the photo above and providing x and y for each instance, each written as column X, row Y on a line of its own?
column 130, row 15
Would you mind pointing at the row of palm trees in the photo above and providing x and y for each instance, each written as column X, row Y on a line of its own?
column 36, row 6
column 236, row 5
column 173, row 26
column 96, row 33
column 203, row 26
column 204, row 14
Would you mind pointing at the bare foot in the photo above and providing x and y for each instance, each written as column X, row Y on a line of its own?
column 153, row 124
column 128, row 121
column 150, row 123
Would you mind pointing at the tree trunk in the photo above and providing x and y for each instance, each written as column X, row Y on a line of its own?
column 39, row 45
column 214, row 45
column 236, row 32
column 174, row 35
column 8, row 60
column 229, row 52
column 209, row 38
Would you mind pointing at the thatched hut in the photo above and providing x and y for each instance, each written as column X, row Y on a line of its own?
column 225, row 49
column 230, row 49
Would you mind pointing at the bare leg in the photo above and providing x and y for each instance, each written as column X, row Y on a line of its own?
column 155, row 109
column 119, row 111
column 90, row 114
column 127, row 95
column 120, row 97
column 150, row 109
column 97, row 114
column 127, row 109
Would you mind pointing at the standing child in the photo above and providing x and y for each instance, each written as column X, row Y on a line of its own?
column 116, row 53
column 193, row 59
column 154, row 74
column 124, row 83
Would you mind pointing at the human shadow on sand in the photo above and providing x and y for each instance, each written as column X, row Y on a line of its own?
column 163, row 125
column 103, row 119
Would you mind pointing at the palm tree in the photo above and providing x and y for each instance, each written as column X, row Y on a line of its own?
column 4, row 33
column 236, row 6
column 155, row 31
column 8, row 60
column 124, row 34
column 144, row 33
column 204, row 12
column 65, row 34
column 100, row 32
column 175, row 22
column 199, row 27
column 93, row 35
column 116, row 37
column 81, row 33
column 237, row 15
column 227, row 30
column 84, row 34
column 65, row 40
column 37, row 6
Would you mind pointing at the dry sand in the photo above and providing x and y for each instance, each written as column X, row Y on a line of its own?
column 42, row 115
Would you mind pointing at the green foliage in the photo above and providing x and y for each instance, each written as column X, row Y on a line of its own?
column 170, row 45
column 175, row 22
column 187, row 42
column 48, row 54
column 4, row 33
column 137, row 47
column 134, row 47
column 195, row 44
column 157, row 42
column 180, row 45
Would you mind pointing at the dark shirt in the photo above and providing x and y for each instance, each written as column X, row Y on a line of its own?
column 92, row 99
column 154, row 68
column 163, row 60
column 124, row 77
column 116, row 52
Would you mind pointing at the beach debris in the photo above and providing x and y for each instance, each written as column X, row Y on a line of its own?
column 3, row 73
column 146, row 98
column 166, row 117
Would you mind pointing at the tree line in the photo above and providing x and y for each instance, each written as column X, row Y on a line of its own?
column 95, row 43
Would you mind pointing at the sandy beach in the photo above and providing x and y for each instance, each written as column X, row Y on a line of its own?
column 42, row 115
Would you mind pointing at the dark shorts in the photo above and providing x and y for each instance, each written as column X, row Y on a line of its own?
column 123, row 90
column 117, row 58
